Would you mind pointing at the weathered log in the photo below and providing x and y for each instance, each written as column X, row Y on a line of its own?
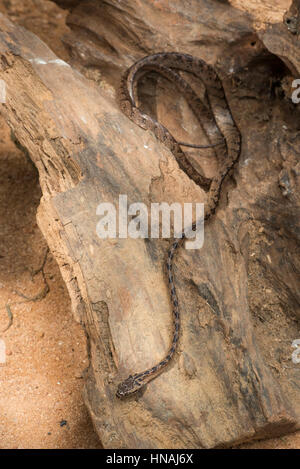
column 228, row 382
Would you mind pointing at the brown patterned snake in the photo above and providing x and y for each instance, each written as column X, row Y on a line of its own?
column 222, row 133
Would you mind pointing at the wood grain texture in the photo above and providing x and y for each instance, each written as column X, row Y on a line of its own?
column 228, row 382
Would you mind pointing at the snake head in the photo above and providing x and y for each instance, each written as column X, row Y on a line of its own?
column 129, row 386
column 292, row 23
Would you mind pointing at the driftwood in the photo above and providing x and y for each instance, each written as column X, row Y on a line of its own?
column 232, row 379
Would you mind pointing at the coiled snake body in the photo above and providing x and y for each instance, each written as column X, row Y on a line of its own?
column 215, row 117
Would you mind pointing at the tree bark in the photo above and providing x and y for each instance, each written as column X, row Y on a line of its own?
column 232, row 378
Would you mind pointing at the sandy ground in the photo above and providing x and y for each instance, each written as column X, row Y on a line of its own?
column 41, row 381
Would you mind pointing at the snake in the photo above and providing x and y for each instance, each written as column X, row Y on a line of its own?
column 214, row 115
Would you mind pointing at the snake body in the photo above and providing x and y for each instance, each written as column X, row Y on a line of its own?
column 215, row 117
